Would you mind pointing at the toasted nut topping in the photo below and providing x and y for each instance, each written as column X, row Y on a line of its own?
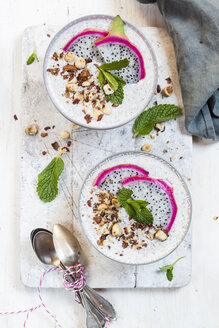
column 105, row 231
column 152, row 136
column 73, row 80
column 102, row 207
column 115, row 202
column 110, row 225
column 146, row 147
column 96, row 114
column 107, row 89
column 161, row 235
column 167, row 91
column 107, row 110
column 215, row 218
column 116, row 230
column 75, row 126
column 69, row 57
column 63, row 150
column 65, row 134
column 160, row 127
column 71, row 87
column 78, row 98
column 149, row 235
column 32, row 130
column 101, row 223
column 80, row 62
column 127, row 230
column 172, row 158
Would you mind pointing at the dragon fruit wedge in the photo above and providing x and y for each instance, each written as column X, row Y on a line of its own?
column 116, row 46
column 83, row 45
column 159, row 195
column 110, row 178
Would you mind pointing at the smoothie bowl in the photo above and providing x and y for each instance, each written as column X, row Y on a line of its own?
column 100, row 72
column 135, row 208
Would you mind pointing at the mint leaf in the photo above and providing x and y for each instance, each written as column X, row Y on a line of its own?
column 110, row 79
column 101, row 79
column 135, row 208
column 144, row 216
column 169, row 269
column 47, row 187
column 123, row 195
column 117, row 96
column 116, row 65
column 169, row 274
column 120, row 81
column 33, row 56
column 156, row 114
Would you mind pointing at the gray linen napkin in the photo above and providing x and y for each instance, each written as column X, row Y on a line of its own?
column 194, row 28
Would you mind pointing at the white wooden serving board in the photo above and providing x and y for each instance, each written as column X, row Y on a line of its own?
column 88, row 148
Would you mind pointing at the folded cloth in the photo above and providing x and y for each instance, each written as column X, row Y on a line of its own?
column 194, row 28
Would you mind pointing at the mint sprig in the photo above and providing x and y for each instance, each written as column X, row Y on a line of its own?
column 47, row 187
column 115, row 82
column 169, row 269
column 33, row 56
column 135, row 208
column 146, row 121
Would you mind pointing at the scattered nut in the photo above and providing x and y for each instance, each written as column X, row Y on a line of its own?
column 147, row 148
column 115, row 202
column 152, row 136
column 80, row 62
column 96, row 114
column 107, row 89
column 55, row 145
column 215, row 218
column 32, row 129
column 73, row 80
column 102, row 207
column 75, row 126
column 107, row 110
column 160, row 127
column 167, row 91
column 116, row 230
column 127, row 230
column 78, row 98
column 69, row 57
column 85, row 84
column 71, row 87
column 161, row 235
column 44, row 134
column 65, row 134
column 149, row 235
column 110, row 225
column 105, row 231
column 63, row 150
column 172, row 158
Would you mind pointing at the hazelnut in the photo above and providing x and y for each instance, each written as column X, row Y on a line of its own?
column 152, row 136
column 78, row 97
column 85, row 84
column 160, row 127
column 161, row 235
column 69, row 57
column 65, row 134
column 63, row 150
column 102, row 207
column 147, row 148
column 172, row 158
column 107, row 110
column 105, row 231
column 215, row 218
column 107, row 89
column 92, row 95
column 71, row 87
column 116, row 230
column 75, row 126
column 115, row 202
column 127, row 230
column 110, row 225
column 32, row 130
column 149, row 235
column 73, row 80
column 80, row 62
column 167, row 91
column 96, row 114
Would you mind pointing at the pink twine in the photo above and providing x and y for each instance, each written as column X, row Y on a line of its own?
column 75, row 286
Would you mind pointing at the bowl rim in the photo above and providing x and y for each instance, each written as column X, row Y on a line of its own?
column 186, row 189
column 76, row 21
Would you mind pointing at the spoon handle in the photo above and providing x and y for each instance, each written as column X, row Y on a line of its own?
column 100, row 302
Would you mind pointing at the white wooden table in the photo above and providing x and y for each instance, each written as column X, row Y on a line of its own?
column 195, row 305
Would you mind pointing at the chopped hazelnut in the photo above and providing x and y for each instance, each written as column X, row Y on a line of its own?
column 65, row 134
column 149, row 235
column 63, row 150
column 78, row 98
column 107, row 110
column 152, row 136
column 96, row 114
column 110, row 225
column 71, row 87
column 215, row 218
column 160, row 127
column 116, row 230
column 161, row 235
column 75, row 126
column 172, row 158
column 127, row 230
column 69, row 57
column 115, row 202
column 80, row 62
column 167, row 91
column 107, row 89
column 102, row 207
column 44, row 134
column 147, row 148
column 32, row 129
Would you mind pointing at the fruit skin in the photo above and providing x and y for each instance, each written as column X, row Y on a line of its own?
column 164, row 186
column 117, row 35
column 104, row 173
column 85, row 32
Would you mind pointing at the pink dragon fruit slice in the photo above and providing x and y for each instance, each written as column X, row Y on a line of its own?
column 160, row 196
column 83, row 45
column 116, row 46
column 110, row 178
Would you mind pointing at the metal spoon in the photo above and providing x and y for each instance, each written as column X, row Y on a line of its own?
column 68, row 250
column 42, row 242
